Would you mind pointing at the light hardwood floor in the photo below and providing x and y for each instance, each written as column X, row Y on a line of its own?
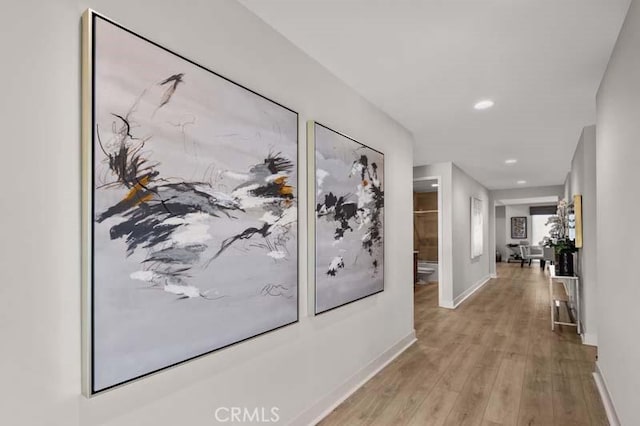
column 492, row 361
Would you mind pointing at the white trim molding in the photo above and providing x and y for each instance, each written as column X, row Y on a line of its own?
column 589, row 339
column 494, row 276
column 609, row 408
column 448, row 304
column 329, row 402
column 468, row 292
column 443, row 280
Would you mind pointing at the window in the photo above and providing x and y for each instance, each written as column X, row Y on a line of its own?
column 538, row 228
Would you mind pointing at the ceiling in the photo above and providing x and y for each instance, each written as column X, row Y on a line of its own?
column 427, row 62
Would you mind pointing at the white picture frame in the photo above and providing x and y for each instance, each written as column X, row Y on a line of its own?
column 477, row 227
column 346, row 219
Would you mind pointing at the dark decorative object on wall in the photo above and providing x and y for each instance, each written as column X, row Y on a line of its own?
column 190, row 224
column 519, row 228
column 349, row 218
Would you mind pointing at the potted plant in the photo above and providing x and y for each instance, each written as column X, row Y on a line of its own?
column 560, row 241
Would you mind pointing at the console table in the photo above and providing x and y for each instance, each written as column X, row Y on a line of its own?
column 564, row 289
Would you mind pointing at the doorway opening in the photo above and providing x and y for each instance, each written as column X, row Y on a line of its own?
column 426, row 233
column 520, row 228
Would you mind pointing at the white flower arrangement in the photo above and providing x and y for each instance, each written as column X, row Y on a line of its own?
column 559, row 232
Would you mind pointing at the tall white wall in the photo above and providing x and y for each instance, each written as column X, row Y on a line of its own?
column 583, row 181
column 618, row 204
column 293, row 368
column 468, row 273
column 567, row 187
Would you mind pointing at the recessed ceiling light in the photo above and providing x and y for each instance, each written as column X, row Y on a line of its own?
column 484, row 104
column 521, row 182
column 435, row 185
column 510, row 161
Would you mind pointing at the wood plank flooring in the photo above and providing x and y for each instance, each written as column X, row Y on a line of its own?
column 494, row 361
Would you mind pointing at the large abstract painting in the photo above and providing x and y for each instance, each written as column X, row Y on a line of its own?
column 477, row 225
column 192, row 208
column 349, row 219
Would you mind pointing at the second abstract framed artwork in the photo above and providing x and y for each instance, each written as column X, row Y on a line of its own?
column 348, row 217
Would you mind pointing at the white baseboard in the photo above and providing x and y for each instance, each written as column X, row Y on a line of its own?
column 589, row 339
column 447, row 304
column 468, row 292
column 606, row 397
column 327, row 404
column 494, row 275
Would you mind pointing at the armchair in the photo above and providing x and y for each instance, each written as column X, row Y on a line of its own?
column 528, row 253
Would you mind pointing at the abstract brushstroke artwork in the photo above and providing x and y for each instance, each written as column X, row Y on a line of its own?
column 193, row 211
column 519, row 227
column 349, row 212
column 477, row 224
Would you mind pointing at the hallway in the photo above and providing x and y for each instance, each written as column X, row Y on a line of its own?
column 492, row 361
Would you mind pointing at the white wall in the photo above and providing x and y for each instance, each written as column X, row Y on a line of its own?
column 445, row 226
column 583, row 181
column 468, row 273
column 292, row 368
column 618, row 204
column 567, row 187
column 575, row 178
